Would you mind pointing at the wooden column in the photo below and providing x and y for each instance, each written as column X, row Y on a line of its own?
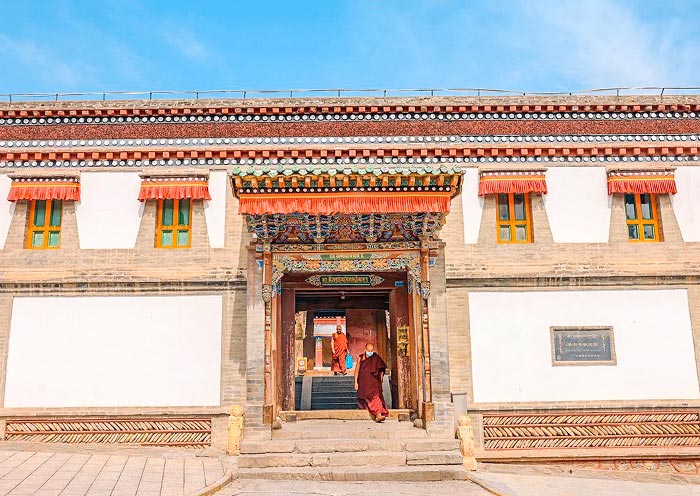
column 429, row 413
column 267, row 291
column 399, row 319
column 287, row 349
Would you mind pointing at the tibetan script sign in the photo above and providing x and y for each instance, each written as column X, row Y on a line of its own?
column 583, row 346
column 345, row 256
column 402, row 340
column 330, row 280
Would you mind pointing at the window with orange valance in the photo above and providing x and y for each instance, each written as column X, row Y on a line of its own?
column 44, row 188
column 641, row 182
column 491, row 183
column 174, row 188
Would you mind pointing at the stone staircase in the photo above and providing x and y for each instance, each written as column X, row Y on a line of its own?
column 333, row 393
column 351, row 450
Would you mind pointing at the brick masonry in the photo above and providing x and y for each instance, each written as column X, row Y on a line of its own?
column 461, row 268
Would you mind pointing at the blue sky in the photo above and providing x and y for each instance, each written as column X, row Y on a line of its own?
column 548, row 45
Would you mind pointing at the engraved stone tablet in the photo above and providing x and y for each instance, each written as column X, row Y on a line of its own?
column 583, row 345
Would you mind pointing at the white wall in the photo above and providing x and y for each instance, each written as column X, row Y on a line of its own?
column 114, row 351
column 685, row 203
column 472, row 205
column 215, row 209
column 109, row 212
column 511, row 350
column 7, row 208
column 577, row 204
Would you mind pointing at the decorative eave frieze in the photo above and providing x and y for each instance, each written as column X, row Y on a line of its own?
column 272, row 113
column 361, row 183
column 306, row 156
column 411, row 165
column 350, row 140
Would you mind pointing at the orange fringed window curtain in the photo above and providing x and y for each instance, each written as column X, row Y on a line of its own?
column 512, row 182
column 641, row 182
column 334, row 203
column 167, row 188
column 46, row 188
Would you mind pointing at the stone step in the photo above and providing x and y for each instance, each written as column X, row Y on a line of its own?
column 352, row 459
column 333, row 406
column 363, row 473
column 333, row 378
column 334, row 394
column 333, row 391
column 348, row 445
column 343, row 415
column 333, row 385
column 334, row 399
column 347, row 429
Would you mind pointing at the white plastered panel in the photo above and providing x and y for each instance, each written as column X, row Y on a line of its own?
column 511, row 349
column 577, row 204
column 7, row 208
column 109, row 212
column 114, row 351
column 686, row 203
column 472, row 205
column 215, row 209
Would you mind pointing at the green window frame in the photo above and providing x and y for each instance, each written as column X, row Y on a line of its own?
column 174, row 227
column 44, row 226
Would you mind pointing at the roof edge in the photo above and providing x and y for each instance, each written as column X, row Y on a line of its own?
column 232, row 102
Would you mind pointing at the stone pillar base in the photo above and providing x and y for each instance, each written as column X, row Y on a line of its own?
column 253, row 426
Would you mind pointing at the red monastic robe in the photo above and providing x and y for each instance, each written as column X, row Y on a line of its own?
column 369, row 385
column 340, row 351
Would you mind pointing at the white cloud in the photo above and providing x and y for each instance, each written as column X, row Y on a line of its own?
column 38, row 59
column 605, row 43
column 184, row 41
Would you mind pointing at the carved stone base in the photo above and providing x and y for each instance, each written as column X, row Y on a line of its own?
column 268, row 414
column 429, row 411
column 465, row 434
column 235, row 430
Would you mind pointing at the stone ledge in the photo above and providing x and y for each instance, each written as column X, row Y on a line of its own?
column 215, row 486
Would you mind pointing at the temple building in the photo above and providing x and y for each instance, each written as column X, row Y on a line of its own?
column 530, row 262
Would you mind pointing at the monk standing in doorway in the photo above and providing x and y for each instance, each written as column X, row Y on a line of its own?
column 369, row 374
column 340, row 351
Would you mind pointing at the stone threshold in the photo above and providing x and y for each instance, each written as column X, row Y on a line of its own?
column 300, row 415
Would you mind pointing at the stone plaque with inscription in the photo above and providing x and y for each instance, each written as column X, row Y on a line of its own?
column 583, row 346
column 329, row 280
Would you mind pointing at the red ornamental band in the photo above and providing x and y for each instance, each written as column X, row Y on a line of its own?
column 342, row 202
column 174, row 188
column 641, row 182
column 512, row 182
column 44, row 189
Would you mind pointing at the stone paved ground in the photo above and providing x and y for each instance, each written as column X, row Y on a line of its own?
column 56, row 471
column 314, row 488
column 519, row 483
column 552, row 485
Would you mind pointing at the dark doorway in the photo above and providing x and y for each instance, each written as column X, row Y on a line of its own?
column 309, row 315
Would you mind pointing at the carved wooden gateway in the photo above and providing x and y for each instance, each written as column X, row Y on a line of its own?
column 378, row 227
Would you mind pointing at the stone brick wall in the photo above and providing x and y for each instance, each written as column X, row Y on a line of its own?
column 232, row 270
column 545, row 260
column 618, row 264
column 70, row 264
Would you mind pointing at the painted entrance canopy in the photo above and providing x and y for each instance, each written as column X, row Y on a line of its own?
column 349, row 205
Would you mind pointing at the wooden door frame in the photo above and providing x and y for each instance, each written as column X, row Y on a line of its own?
column 417, row 291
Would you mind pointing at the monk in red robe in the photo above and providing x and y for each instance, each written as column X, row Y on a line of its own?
column 340, row 351
column 369, row 374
